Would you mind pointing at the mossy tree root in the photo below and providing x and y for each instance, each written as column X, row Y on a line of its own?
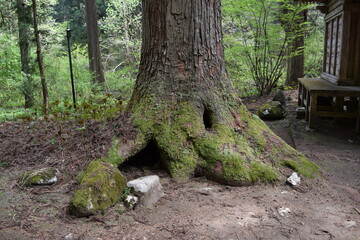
column 233, row 147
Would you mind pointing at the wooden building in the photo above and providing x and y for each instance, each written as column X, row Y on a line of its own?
column 340, row 78
column 341, row 64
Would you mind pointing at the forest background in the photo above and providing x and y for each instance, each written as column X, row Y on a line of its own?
column 255, row 36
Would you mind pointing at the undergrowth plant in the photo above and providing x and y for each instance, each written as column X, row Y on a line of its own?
column 257, row 35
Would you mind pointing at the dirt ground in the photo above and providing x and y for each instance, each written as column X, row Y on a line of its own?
column 324, row 208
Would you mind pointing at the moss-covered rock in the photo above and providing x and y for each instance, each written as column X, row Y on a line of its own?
column 44, row 176
column 272, row 111
column 101, row 186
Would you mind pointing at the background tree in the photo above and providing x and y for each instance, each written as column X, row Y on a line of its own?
column 93, row 42
column 24, row 25
column 72, row 12
column 121, row 38
column 296, row 60
column 258, row 31
column 39, row 59
column 8, row 15
column 120, row 26
column 184, row 106
column 314, row 43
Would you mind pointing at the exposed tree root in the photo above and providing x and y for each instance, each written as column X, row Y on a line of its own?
column 229, row 146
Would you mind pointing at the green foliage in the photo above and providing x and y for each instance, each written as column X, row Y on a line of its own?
column 127, row 191
column 10, row 71
column 18, row 113
column 58, row 74
column 257, row 35
column 99, row 109
column 120, row 24
column 121, row 83
column 121, row 38
column 314, row 45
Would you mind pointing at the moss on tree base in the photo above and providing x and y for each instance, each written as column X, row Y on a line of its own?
column 229, row 146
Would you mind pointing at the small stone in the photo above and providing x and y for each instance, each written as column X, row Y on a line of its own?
column 148, row 189
column 131, row 201
column 69, row 236
column 280, row 97
column 283, row 211
column 44, row 176
column 272, row 111
column 294, row 179
column 349, row 224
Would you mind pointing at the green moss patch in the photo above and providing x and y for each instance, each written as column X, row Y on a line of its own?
column 304, row 167
column 113, row 156
column 101, row 186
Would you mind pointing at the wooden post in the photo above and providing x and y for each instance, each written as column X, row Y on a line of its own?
column 313, row 109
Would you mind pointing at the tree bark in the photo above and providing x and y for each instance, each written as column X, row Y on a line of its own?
column 93, row 42
column 185, row 107
column 24, row 23
column 40, row 60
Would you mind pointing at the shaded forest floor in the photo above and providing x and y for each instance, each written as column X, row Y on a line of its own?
column 324, row 208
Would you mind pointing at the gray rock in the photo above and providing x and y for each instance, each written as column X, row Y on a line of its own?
column 148, row 189
column 294, row 179
column 44, row 176
column 280, row 97
column 272, row 111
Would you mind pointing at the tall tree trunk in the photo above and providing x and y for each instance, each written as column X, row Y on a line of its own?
column 40, row 60
column 295, row 64
column 24, row 23
column 93, row 42
column 184, row 105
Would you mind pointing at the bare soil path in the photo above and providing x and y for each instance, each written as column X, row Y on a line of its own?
column 324, row 208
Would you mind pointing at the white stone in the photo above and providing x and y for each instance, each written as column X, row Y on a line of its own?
column 131, row 201
column 148, row 189
column 266, row 112
column 69, row 236
column 349, row 224
column 283, row 211
column 294, row 179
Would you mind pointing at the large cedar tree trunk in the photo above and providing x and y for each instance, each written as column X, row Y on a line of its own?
column 184, row 104
column 93, row 42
